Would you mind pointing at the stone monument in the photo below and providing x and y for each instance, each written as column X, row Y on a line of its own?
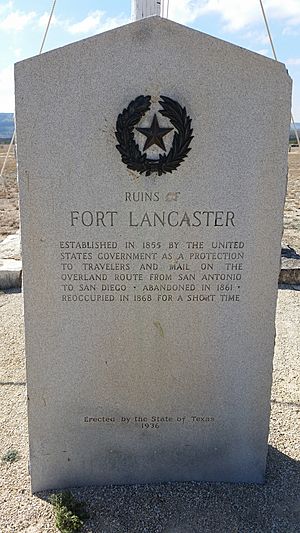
column 152, row 162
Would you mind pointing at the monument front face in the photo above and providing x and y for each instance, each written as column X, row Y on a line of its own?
column 152, row 166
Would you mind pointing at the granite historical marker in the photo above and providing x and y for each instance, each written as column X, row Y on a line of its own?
column 152, row 163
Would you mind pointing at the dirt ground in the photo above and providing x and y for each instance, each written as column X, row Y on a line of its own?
column 9, row 194
column 9, row 199
column 291, row 234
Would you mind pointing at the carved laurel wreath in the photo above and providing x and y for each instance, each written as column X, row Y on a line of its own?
column 129, row 149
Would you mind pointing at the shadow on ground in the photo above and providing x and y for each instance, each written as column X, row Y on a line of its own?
column 199, row 507
column 286, row 287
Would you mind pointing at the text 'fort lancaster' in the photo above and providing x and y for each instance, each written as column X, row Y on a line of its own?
column 149, row 219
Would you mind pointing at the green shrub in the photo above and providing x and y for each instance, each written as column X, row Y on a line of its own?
column 10, row 456
column 69, row 513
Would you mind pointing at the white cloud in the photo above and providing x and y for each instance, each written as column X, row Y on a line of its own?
column 17, row 52
column 43, row 20
column 185, row 11
column 288, row 10
column 7, row 90
column 95, row 22
column 290, row 31
column 255, row 36
column 5, row 7
column 88, row 24
column 263, row 52
column 236, row 14
column 293, row 61
column 16, row 21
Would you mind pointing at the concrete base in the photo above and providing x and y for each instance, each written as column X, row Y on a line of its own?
column 290, row 266
column 10, row 274
column 10, row 263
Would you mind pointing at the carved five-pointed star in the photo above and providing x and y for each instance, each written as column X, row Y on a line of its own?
column 154, row 134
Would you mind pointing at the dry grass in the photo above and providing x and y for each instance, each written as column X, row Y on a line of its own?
column 291, row 233
column 9, row 194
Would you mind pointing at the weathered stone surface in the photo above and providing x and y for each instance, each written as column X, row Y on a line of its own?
column 144, row 368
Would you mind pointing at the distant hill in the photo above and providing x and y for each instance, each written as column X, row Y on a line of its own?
column 297, row 124
column 292, row 132
column 6, row 125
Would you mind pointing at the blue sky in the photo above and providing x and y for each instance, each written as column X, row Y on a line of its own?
column 23, row 22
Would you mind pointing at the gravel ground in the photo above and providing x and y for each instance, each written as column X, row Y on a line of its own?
column 164, row 508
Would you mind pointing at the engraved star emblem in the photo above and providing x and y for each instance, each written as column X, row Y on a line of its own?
column 154, row 134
